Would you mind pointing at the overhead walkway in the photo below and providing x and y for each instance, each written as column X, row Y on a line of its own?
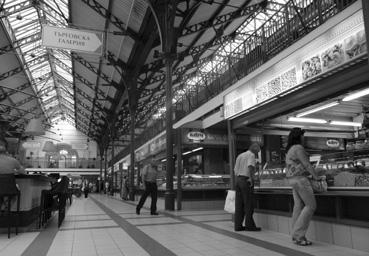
column 102, row 225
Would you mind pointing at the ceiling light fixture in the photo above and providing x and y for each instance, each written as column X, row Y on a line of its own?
column 329, row 105
column 343, row 123
column 197, row 149
column 307, row 120
column 356, row 95
column 186, row 153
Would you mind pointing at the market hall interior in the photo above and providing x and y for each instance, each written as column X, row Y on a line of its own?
column 93, row 93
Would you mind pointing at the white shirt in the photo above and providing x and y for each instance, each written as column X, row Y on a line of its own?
column 243, row 162
column 149, row 173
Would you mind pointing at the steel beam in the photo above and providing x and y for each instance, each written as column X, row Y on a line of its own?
column 10, row 73
column 90, row 85
column 93, row 69
column 191, row 51
column 83, row 105
column 78, row 76
column 17, row 8
column 48, row 101
column 116, row 62
column 19, row 88
column 19, row 43
column 24, row 101
column 180, row 70
column 89, row 98
column 219, row 20
column 52, row 12
column 112, row 19
column 31, row 111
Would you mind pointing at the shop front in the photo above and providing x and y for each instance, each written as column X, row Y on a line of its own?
column 321, row 87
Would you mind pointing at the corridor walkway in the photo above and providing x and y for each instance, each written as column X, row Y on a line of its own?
column 102, row 225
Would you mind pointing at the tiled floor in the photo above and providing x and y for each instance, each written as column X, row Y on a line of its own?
column 101, row 225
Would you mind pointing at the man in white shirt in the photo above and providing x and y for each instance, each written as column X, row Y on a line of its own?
column 244, row 170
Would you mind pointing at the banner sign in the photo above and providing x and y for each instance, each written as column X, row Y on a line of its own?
column 72, row 39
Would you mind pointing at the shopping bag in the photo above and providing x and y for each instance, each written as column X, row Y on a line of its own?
column 319, row 186
column 230, row 203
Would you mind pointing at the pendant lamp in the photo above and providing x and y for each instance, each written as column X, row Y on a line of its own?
column 34, row 127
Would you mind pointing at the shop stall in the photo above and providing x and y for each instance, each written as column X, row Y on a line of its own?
column 30, row 186
column 322, row 87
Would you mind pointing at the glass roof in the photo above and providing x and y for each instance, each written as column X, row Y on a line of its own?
column 220, row 60
column 49, row 69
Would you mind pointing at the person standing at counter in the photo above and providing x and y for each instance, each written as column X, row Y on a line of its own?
column 149, row 176
column 298, row 168
column 244, row 171
column 9, row 164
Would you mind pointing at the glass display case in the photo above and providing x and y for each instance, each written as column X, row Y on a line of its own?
column 346, row 169
column 196, row 181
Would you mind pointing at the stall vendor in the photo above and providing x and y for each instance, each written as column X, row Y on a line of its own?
column 8, row 164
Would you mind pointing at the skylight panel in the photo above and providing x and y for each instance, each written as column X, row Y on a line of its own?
column 61, row 71
column 41, row 70
column 55, row 19
column 20, row 25
column 38, row 59
column 69, row 99
column 51, row 104
column 28, row 26
column 26, row 33
column 30, row 47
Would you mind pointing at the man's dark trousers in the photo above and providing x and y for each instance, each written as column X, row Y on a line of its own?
column 152, row 190
column 244, row 203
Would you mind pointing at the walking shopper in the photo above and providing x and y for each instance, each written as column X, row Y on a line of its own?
column 149, row 175
column 244, row 171
column 86, row 188
column 125, row 189
column 298, row 168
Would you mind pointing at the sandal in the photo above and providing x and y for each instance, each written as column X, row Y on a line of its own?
column 302, row 242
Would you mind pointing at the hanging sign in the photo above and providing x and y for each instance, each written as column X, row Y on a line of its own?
column 72, row 39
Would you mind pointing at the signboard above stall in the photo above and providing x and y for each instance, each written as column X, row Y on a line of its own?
column 334, row 47
column 192, row 136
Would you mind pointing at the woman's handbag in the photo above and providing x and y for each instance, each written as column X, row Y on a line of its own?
column 230, row 203
column 319, row 186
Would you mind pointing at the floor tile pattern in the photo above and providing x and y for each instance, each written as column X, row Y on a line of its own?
column 102, row 225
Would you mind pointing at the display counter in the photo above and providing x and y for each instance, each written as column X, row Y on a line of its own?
column 199, row 191
column 30, row 186
column 335, row 205
column 200, row 182
column 343, row 170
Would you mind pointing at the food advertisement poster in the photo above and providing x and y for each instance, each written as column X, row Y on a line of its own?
column 335, row 55
column 333, row 46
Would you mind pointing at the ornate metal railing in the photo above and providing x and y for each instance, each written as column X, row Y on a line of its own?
column 293, row 21
column 40, row 162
